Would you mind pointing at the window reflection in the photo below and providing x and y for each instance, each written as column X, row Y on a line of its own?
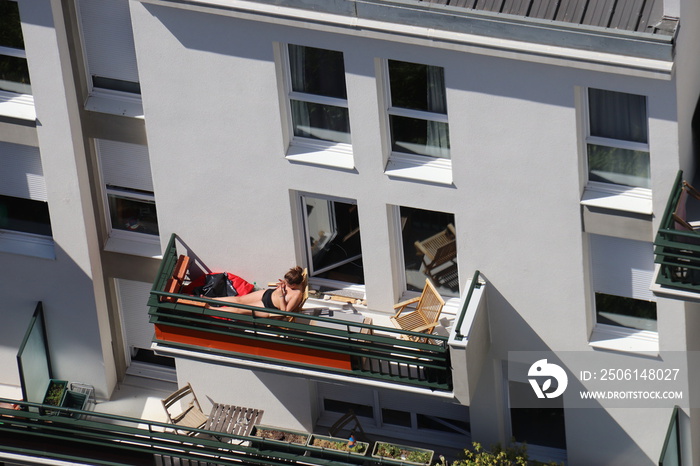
column 14, row 73
column 333, row 238
column 429, row 250
column 134, row 215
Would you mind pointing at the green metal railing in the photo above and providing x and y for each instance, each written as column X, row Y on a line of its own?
column 671, row 451
column 475, row 284
column 375, row 352
column 677, row 251
column 107, row 439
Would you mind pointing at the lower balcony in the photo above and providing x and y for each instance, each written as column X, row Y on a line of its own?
column 29, row 435
column 321, row 342
column 677, row 243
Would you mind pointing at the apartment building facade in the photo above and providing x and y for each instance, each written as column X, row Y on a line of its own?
column 333, row 135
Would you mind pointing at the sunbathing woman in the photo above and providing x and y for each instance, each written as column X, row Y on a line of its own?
column 285, row 297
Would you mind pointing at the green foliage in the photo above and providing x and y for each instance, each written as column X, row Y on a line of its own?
column 513, row 455
column 389, row 450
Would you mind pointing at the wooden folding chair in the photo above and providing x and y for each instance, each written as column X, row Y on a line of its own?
column 183, row 409
column 424, row 318
column 439, row 250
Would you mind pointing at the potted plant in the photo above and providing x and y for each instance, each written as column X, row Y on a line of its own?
column 55, row 393
column 278, row 436
column 406, row 454
column 335, row 444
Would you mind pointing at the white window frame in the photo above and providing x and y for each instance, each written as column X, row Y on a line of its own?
column 413, row 166
column 16, row 104
column 609, row 195
column 104, row 100
column 399, row 401
column 127, row 242
column 613, row 337
column 535, row 452
column 19, row 242
column 358, row 288
column 307, row 150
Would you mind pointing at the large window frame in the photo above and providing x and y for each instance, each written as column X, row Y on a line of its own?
column 424, row 162
column 412, row 262
column 316, row 144
column 16, row 98
column 313, row 243
column 109, row 54
column 118, row 163
column 615, row 153
column 621, row 272
column 399, row 415
column 11, row 48
column 25, row 224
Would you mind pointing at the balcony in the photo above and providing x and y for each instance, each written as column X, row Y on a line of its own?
column 677, row 244
column 323, row 346
column 72, row 436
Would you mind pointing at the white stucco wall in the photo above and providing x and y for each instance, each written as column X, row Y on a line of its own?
column 222, row 183
column 70, row 286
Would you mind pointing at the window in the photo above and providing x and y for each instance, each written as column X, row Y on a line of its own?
column 132, row 220
column 418, row 110
column 109, row 45
column 622, row 272
column 14, row 72
column 536, row 422
column 24, row 215
column 405, row 415
column 617, row 140
column 25, row 225
column 423, row 232
column 317, row 94
column 332, row 230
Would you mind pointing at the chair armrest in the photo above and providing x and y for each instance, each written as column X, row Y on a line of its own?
column 424, row 327
column 402, row 305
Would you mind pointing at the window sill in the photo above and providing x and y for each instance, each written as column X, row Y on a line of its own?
column 624, row 339
column 636, row 200
column 20, row 106
column 316, row 153
column 134, row 246
column 27, row 244
column 420, row 168
column 115, row 103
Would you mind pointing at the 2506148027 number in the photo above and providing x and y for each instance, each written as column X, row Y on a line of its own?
column 638, row 374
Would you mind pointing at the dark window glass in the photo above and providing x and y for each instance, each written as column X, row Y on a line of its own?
column 420, row 226
column 538, row 422
column 625, row 312
column 334, row 240
column 617, row 115
column 442, row 424
column 395, row 417
column 10, row 25
column 317, row 71
column 116, row 84
column 619, row 166
column 338, row 406
column 24, row 215
column 417, row 87
column 14, row 74
column 131, row 214
column 423, row 137
column 318, row 121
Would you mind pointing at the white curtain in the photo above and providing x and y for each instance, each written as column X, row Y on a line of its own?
column 438, row 141
column 300, row 111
